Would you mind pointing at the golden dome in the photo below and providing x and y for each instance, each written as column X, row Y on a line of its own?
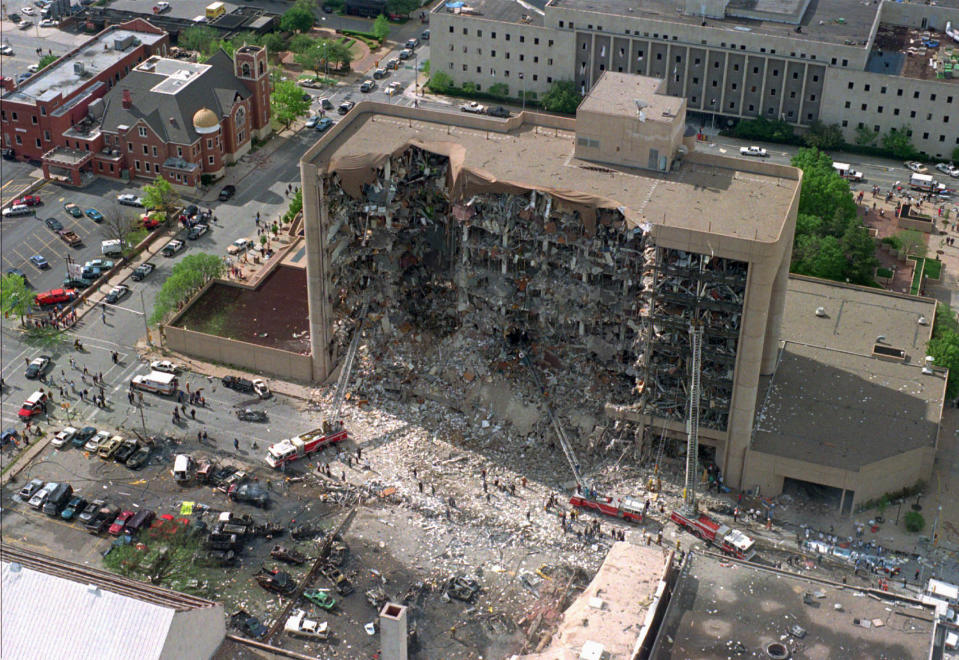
column 205, row 118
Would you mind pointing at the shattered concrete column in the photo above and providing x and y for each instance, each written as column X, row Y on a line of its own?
column 393, row 631
column 314, row 222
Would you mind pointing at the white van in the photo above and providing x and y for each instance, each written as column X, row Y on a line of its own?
column 112, row 248
column 155, row 381
column 17, row 209
column 182, row 468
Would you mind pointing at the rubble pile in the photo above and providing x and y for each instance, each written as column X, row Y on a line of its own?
column 461, row 279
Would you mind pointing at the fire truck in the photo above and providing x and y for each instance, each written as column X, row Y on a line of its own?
column 293, row 449
column 731, row 541
column 626, row 508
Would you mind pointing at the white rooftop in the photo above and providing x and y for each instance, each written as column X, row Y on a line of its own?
column 177, row 73
column 59, row 618
column 97, row 55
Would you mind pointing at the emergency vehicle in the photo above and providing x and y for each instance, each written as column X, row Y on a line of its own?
column 293, row 449
column 730, row 541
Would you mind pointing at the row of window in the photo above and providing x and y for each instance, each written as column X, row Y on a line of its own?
column 522, row 38
column 876, row 128
column 492, row 73
column 882, row 90
column 492, row 53
column 895, row 111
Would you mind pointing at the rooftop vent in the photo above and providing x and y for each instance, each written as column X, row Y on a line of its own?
column 93, row 589
column 889, row 353
column 79, row 68
column 15, row 567
column 927, row 371
column 821, row 312
column 922, row 321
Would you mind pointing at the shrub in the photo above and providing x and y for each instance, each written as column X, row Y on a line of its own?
column 883, row 272
column 892, row 241
column 206, row 179
column 914, row 521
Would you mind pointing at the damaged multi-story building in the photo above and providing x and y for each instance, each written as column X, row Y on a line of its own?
column 592, row 243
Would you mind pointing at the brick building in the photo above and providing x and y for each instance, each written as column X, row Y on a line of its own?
column 118, row 107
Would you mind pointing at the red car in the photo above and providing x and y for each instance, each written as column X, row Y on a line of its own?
column 117, row 527
column 54, row 296
column 29, row 200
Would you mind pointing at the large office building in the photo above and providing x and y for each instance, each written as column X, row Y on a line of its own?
column 595, row 244
column 871, row 65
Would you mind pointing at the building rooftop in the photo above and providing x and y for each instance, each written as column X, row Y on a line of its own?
column 714, row 197
column 626, row 585
column 908, row 52
column 722, row 608
column 828, row 387
column 62, row 78
column 623, row 94
column 507, row 11
column 836, row 21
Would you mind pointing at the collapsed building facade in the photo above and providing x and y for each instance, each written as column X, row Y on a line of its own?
column 590, row 245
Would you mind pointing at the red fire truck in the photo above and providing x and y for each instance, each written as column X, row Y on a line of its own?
column 293, row 449
column 618, row 507
column 730, row 541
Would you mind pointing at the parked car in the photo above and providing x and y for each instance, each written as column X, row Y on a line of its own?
column 227, row 193
column 753, row 151
column 90, row 510
column 498, row 111
column 62, row 438
column 5, row 49
column 411, row 44
column 311, row 122
column 31, row 489
column 949, row 169
column 248, row 625
column 93, row 444
column 345, row 107
column 425, row 35
column 299, row 626
column 380, row 74
column 393, row 64
column 139, row 458
column 94, row 215
column 116, row 528
column 18, row 273
column 172, row 248
column 126, row 450
column 320, row 598
column 109, row 448
column 58, row 499
column 247, row 386
column 102, row 518
column 144, row 269
column 240, row 245
column 276, row 581
column 406, row 54
column 73, row 507
column 77, row 282
column 81, row 437
column 916, row 167
column 40, row 497
column 38, row 366
column 367, row 86
column 197, row 230
column 53, row 224
column 29, row 200
column 117, row 293
column 325, row 103
column 35, row 404
column 165, row 366
column 324, row 124
column 141, row 519
column 55, row 296
column 130, row 200
column 250, row 492
column 17, row 209
column 38, row 261
column 247, row 415
column 101, row 265
column 474, row 108
column 72, row 209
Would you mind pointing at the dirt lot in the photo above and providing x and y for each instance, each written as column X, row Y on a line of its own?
column 275, row 315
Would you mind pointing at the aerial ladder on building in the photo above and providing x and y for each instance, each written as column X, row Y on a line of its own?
column 585, row 496
column 331, row 431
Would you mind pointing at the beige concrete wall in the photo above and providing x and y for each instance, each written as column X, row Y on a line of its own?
column 260, row 359
column 768, row 471
column 195, row 633
column 624, row 140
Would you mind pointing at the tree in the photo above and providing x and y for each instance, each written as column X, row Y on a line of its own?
column 860, row 252
column 161, row 196
column 117, row 223
column 47, row 60
column 187, row 276
column 298, row 18
column 897, row 141
column 15, row 296
column 819, row 256
column 824, row 193
column 865, row 135
column 914, row 521
column 273, row 42
column 312, row 58
column 402, row 7
column 499, row 90
column 945, row 350
column 286, row 102
column 823, row 136
column 912, row 242
column 440, row 83
column 562, row 97
column 808, row 224
column 300, row 43
column 381, row 28
column 197, row 37
column 945, row 321
column 340, row 53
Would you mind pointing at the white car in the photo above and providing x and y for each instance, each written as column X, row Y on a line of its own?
column 27, row 10
column 164, row 365
column 753, row 151
column 946, row 168
column 916, row 167
column 63, row 437
column 49, row 22
column 6, row 49
column 129, row 200
column 33, row 68
column 240, row 245
column 117, row 293
column 474, row 108
column 94, row 443
column 300, row 626
column 172, row 248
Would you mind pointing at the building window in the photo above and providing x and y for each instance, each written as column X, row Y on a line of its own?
column 451, row 66
column 549, row 79
column 17, row 138
column 146, row 166
column 179, row 152
column 845, row 123
column 536, row 41
column 478, row 69
column 146, row 150
column 142, row 131
column 111, row 167
column 13, row 115
column 895, row 112
column 752, row 108
column 136, row 164
column 863, row 106
column 209, row 143
column 866, row 87
column 492, row 53
column 38, row 143
column 154, row 152
column 898, row 92
column 46, row 135
column 755, row 69
column 535, row 59
column 795, row 75
column 507, row 36
column 464, row 67
column 925, row 136
column 549, row 44
column 210, row 160
column 451, row 29
column 915, row 95
column 130, row 147
column 845, row 62
column 43, row 110
column 945, row 120
column 912, row 114
column 33, row 119
column 879, row 109
column 522, row 39
column 521, row 57
column 812, row 97
column 536, row 76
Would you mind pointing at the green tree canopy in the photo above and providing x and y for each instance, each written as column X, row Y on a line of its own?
column 898, row 142
column 187, row 276
column 562, row 97
column 298, row 18
column 402, row 7
column 381, row 28
column 824, row 193
column 312, row 58
column 47, row 60
column 197, row 37
column 161, row 196
column 273, row 41
column 440, row 82
column 15, row 296
column 340, row 53
column 287, row 102
column 911, row 241
column 300, row 43
column 865, row 135
column 823, row 136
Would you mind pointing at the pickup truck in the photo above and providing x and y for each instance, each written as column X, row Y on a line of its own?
column 753, row 151
column 70, row 238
